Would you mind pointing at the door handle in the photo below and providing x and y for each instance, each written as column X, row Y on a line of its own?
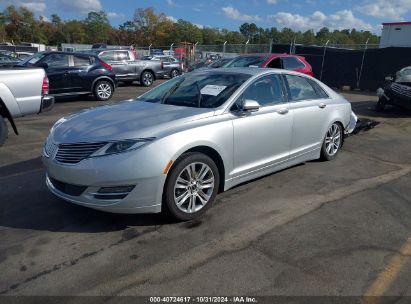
column 322, row 105
column 282, row 111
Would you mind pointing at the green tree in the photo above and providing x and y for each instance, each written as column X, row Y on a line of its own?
column 97, row 27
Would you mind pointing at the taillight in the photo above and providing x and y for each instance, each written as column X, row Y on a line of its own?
column 106, row 65
column 45, row 86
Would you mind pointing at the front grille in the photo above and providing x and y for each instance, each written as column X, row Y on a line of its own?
column 74, row 153
column 401, row 89
column 69, row 189
column 49, row 148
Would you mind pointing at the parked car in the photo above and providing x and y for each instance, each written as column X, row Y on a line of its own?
column 278, row 61
column 219, row 63
column 396, row 91
column 7, row 60
column 75, row 74
column 176, row 146
column 22, row 91
column 172, row 66
column 128, row 69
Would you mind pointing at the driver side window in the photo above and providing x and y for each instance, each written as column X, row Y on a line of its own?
column 267, row 91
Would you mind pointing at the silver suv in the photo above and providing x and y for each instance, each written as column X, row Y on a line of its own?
column 172, row 66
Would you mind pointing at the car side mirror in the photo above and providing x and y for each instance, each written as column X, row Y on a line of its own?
column 250, row 105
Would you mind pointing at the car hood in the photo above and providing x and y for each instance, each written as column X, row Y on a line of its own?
column 127, row 120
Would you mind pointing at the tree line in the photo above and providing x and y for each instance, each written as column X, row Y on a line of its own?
column 19, row 24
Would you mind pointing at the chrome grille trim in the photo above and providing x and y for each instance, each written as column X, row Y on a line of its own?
column 74, row 153
column 401, row 89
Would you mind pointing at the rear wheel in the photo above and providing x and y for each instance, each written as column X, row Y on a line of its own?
column 174, row 73
column 191, row 186
column 3, row 130
column 103, row 90
column 332, row 142
column 147, row 78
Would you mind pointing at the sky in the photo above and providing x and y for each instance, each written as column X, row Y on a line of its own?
column 296, row 14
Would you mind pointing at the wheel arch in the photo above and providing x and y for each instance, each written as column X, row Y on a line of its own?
column 214, row 155
column 6, row 114
column 102, row 78
column 148, row 70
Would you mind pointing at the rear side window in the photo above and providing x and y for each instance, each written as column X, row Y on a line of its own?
column 57, row 60
column 81, row 60
column 300, row 88
column 320, row 91
column 292, row 63
column 121, row 56
column 107, row 56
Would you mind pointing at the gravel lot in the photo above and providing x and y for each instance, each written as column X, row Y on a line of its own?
column 321, row 228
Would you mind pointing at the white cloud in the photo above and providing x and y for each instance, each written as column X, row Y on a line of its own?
column 271, row 1
column 199, row 25
column 170, row 2
column 45, row 19
column 392, row 9
column 343, row 19
column 115, row 15
column 234, row 14
column 34, row 6
column 172, row 19
column 82, row 6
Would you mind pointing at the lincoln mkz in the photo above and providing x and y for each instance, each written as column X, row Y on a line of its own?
column 175, row 147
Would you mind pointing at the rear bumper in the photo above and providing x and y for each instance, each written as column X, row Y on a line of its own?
column 47, row 103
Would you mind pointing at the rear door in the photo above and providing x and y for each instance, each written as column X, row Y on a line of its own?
column 78, row 72
column 309, row 106
column 58, row 72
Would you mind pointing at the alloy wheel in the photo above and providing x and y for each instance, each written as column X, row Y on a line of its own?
column 148, row 79
column 333, row 139
column 194, row 187
column 174, row 73
column 104, row 91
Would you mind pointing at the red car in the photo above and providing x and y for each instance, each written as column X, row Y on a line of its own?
column 278, row 61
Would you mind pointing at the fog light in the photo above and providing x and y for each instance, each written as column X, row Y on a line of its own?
column 116, row 190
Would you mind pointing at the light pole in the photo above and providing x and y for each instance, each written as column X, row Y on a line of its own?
column 322, row 64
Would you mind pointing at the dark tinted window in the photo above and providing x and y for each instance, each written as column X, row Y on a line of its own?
column 300, row 88
column 81, row 60
column 203, row 90
column 266, row 90
column 246, row 61
column 57, row 60
column 292, row 63
column 4, row 58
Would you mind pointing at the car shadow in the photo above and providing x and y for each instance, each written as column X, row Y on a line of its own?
column 26, row 203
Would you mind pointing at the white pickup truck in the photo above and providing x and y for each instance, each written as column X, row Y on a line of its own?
column 23, row 91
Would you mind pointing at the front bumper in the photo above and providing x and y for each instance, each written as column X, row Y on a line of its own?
column 47, row 103
column 90, row 175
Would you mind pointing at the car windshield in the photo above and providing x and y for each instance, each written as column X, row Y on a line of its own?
column 200, row 90
column 246, row 61
column 32, row 59
column 219, row 63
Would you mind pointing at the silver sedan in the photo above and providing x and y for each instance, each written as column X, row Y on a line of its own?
column 175, row 147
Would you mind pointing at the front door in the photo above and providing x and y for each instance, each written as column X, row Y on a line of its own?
column 57, row 72
column 262, row 138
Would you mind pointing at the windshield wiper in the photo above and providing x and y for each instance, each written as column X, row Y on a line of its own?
column 171, row 91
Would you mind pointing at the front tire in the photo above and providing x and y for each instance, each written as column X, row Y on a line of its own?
column 191, row 186
column 4, row 132
column 174, row 73
column 332, row 142
column 103, row 90
column 147, row 79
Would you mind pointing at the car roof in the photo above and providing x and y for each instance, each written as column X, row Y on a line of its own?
column 67, row 53
column 268, row 55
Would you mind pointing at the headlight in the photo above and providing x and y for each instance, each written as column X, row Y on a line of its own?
column 121, row 146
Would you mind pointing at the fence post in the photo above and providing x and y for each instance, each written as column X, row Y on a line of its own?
column 271, row 45
column 149, row 49
column 246, row 45
column 322, row 64
column 224, row 46
column 362, row 63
